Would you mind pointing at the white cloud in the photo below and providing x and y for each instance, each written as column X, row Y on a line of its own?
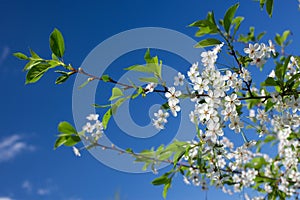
column 11, row 146
column 5, row 198
column 42, row 191
column 4, row 55
column 27, row 186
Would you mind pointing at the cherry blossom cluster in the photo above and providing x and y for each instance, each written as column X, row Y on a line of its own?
column 94, row 128
column 160, row 119
column 217, row 105
column 259, row 53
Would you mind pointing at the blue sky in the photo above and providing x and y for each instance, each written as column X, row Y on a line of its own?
column 29, row 167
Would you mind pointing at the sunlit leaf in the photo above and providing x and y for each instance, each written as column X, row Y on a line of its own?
column 57, row 44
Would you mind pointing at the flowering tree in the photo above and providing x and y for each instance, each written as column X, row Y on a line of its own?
column 226, row 101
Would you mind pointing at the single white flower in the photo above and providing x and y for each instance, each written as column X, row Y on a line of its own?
column 265, row 50
column 258, row 61
column 179, row 79
column 252, row 50
column 236, row 124
column 214, row 130
column 245, row 74
column 76, row 151
column 150, row 87
column 193, row 73
column 161, row 116
column 92, row 117
column 174, row 109
column 272, row 47
column 88, row 127
column 232, row 101
column 172, row 96
column 201, row 85
column 158, row 124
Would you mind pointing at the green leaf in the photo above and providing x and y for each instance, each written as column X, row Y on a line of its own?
column 256, row 163
column 260, row 35
column 54, row 57
column 211, row 18
column 269, row 105
column 117, row 104
column 161, row 180
column 152, row 65
column 293, row 78
column 36, row 72
column 140, row 90
column 285, row 65
column 237, row 22
column 61, row 79
column 207, row 26
column 269, row 7
column 84, row 83
column 278, row 39
column 57, row 44
column 140, row 68
column 165, row 106
column 60, row 141
column 269, row 82
column 105, row 78
column 72, row 140
column 269, row 138
column 66, row 128
column 101, row 106
column 284, row 36
column 149, row 80
column 21, row 56
column 34, row 55
column 262, row 3
column 106, row 117
column 229, row 17
column 207, row 42
column 30, row 64
column 116, row 93
column 166, row 188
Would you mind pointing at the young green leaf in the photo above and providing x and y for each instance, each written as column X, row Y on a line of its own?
column 105, row 78
column 140, row 90
column 140, row 68
column 31, row 64
column 57, row 44
column 116, row 93
column 61, row 79
column 207, row 42
column 284, row 36
column 149, row 80
column 269, row 7
column 36, row 72
column 67, row 128
column 72, row 140
column 106, row 117
column 237, row 22
column 269, row 82
column 34, row 55
column 166, row 188
column 160, row 180
column 117, row 104
column 229, row 17
column 262, row 3
column 60, row 141
column 21, row 56
column 84, row 83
